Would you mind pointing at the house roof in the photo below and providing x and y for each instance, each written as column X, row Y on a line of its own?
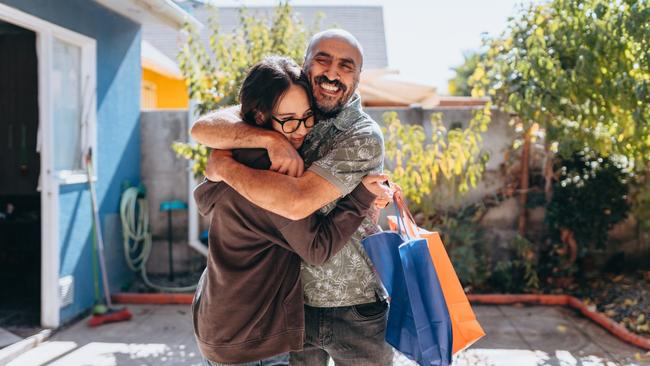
column 386, row 88
column 156, row 61
column 152, row 11
column 379, row 86
column 454, row 101
column 364, row 22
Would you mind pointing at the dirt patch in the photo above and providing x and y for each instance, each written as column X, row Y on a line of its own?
column 624, row 298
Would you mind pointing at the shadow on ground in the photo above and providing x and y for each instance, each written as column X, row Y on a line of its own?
column 517, row 336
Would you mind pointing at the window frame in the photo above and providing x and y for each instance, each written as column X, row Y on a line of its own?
column 88, row 76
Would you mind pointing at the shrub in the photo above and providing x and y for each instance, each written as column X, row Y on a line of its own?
column 589, row 198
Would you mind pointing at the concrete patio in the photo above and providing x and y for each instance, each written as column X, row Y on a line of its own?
column 516, row 335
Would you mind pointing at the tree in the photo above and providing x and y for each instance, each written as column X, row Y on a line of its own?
column 214, row 72
column 579, row 70
column 459, row 85
column 430, row 172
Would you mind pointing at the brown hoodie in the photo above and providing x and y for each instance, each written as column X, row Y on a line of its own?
column 249, row 302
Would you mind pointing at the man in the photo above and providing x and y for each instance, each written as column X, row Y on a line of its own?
column 345, row 310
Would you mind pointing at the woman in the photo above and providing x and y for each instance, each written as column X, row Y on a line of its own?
column 248, row 308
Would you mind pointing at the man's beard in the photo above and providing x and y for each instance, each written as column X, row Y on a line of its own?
column 331, row 111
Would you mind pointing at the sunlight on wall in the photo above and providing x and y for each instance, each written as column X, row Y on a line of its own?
column 161, row 92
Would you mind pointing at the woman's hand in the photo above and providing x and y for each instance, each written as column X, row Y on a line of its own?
column 380, row 204
column 376, row 184
column 387, row 193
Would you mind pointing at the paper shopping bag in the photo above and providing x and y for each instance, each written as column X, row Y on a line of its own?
column 465, row 328
column 418, row 323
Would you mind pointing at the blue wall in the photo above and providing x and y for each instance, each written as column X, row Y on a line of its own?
column 118, row 156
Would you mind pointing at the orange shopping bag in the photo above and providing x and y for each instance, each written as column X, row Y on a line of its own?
column 465, row 328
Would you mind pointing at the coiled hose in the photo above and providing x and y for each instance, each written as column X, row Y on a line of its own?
column 134, row 214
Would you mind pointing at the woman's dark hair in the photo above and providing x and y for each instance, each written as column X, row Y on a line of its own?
column 265, row 83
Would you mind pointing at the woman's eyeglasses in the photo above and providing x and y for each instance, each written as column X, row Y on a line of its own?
column 290, row 125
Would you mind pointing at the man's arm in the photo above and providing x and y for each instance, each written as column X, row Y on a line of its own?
column 225, row 130
column 292, row 197
column 329, row 178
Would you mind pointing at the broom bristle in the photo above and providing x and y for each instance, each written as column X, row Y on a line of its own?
column 111, row 316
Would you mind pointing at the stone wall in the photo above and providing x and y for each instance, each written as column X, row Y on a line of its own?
column 165, row 177
column 500, row 222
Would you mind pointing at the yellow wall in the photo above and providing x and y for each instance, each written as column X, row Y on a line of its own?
column 169, row 93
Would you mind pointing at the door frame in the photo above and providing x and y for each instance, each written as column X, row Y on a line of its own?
column 50, row 180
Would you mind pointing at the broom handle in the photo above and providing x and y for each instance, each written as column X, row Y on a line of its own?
column 98, row 230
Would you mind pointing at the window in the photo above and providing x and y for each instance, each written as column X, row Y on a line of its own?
column 67, row 106
column 148, row 96
column 72, row 86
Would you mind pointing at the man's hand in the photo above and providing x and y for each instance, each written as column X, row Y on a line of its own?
column 376, row 185
column 284, row 157
column 216, row 160
column 224, row 129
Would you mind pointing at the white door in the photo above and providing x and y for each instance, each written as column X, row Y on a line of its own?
column 67, row 119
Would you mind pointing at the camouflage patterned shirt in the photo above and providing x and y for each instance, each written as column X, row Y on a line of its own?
column 343, row 150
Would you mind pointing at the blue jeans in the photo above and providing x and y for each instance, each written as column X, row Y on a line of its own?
column 350, row 335
column 277, row 360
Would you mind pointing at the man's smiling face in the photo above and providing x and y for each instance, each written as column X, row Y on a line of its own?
column 333, row 65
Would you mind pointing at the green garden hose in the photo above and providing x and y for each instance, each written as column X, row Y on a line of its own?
column 134, row 214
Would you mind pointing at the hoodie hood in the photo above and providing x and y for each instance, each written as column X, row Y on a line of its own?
column 207, row 193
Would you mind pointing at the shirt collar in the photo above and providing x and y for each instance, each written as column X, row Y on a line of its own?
column 349, row 114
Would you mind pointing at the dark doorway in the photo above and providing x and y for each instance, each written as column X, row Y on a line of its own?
column 20, row 200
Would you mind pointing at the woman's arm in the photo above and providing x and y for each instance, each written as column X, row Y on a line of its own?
column 317, row 238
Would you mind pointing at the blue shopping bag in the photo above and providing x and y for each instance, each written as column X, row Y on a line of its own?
column 418, row 323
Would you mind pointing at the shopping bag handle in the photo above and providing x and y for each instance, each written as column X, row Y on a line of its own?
column 402, row 212
column 401, row 227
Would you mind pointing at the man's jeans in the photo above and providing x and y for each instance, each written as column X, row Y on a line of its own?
column 278, row 360
column 351, row 335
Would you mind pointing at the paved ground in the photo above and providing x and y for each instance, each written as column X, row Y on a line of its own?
column 517, row 336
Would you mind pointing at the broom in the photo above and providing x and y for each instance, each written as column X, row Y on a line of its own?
column 102, row 314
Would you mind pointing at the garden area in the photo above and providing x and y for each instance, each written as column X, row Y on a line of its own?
column 573, row 77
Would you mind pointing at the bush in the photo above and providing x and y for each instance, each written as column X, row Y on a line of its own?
column 465, row 242
column 589, row 198
column 448, row 166
column 520, row 273
column 432, row 172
